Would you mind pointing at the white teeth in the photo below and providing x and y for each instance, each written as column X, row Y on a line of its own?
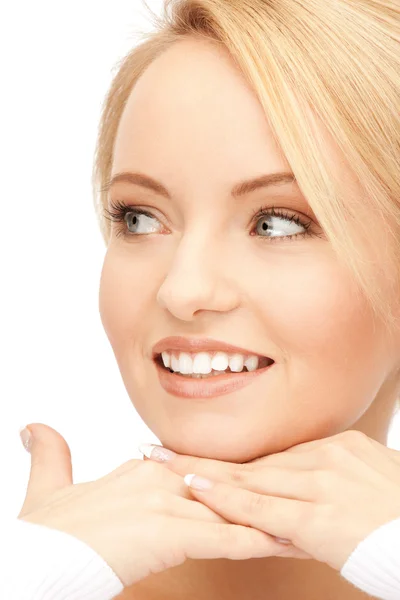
column 201, row 376
column 202, row 363
column 220, row 361
column 166, row 357
column 174, row 363
column 251, row 363
column 236, row 362
column 185, row 363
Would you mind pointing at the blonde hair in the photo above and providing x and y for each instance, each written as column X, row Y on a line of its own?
column 340, row 58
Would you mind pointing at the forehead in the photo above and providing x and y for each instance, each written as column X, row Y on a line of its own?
column 192, row 112
column 192, row 104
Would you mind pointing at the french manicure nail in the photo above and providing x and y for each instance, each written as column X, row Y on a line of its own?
column 26, row 438
column 158, row 453
column 197, row 483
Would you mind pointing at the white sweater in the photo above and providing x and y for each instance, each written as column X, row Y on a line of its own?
column 39, row 563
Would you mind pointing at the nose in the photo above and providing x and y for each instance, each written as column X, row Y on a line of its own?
column 197, row 280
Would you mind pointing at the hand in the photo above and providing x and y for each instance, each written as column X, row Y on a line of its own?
column 140, row 518
column 325, row 496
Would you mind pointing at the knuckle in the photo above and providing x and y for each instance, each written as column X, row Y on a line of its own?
column 239, row 473
column 353, row 438
column 333, row 453
column 151, row 470
column 157, row 501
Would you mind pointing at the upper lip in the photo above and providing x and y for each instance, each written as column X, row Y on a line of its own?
column 198, row 345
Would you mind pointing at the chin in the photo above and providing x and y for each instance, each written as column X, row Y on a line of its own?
column 216, row 449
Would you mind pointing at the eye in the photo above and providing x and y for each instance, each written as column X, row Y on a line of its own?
column 279, row 223
column 132, row 222
column 139, row 222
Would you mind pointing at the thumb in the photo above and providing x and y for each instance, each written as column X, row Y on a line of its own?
column 51, row 466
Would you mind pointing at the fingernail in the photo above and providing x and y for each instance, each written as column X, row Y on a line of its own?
column 197, row 483
column 26, row 438
column 158, row 453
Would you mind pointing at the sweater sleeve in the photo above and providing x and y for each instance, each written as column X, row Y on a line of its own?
column 374, row 565
column 40, row 563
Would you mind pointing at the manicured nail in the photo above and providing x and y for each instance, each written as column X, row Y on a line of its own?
column 26, row 438
column 197, row 483
column 158, row 453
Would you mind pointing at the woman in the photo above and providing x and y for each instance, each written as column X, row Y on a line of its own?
column 248, row 162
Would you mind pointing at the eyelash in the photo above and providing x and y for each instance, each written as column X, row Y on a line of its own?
column 272, row 211
column 119, row 210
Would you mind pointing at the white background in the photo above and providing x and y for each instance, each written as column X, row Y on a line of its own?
column 57, row 366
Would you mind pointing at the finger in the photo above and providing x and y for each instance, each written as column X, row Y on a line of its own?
column 293, row 484
column 246, row 474
column 296, row 484
column 51, row 466
column 150, row 476
column 303, row 447
column 350, row 438
column 356, row 442
column 215, row 540
column 184, row 508
column 278, row 517
column 182, row 464
column 232, row 473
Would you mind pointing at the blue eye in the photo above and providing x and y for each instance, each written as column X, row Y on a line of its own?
column 140, row 222
column 133, row 221
column 275, row 224
column 271, row 223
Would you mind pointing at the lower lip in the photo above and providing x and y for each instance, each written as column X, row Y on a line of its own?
column 216, row 385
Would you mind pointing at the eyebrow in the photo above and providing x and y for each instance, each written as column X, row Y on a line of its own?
column 240, row 189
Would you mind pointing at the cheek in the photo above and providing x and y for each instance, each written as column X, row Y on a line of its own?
column 125, row 294
column 314, row 307
column 325, row 331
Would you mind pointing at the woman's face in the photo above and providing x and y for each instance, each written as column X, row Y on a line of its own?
column 202, row 264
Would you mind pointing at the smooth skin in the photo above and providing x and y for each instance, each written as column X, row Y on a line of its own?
column 140, row 518
column 192, row 123
column 324, row 496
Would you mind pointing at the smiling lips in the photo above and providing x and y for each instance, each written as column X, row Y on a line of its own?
column 203, row 364
column 195, row 368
